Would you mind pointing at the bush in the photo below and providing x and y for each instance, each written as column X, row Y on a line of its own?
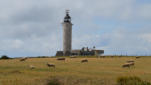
column 54, row 81
column 5, row 57
column 131, row 81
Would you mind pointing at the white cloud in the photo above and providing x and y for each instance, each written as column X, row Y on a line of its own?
column 32, row 27
column 146, row 37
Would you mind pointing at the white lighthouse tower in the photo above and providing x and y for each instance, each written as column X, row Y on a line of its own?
column 67, row 34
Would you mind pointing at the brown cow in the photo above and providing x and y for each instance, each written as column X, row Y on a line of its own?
column 61, row 59
column 126, row 65
column 50, row 65
column 132, row 64
column 137, row 57
column 130, row 61
column 23, row 59
column 85, row 60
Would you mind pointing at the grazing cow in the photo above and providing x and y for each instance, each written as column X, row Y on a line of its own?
column 32, row 67
column 130, row 61
column 126, row 65
column 137, row 57
column 132, row 64
column 61, row 59
column 50, row 65
column 85, row 60
column 23, row 59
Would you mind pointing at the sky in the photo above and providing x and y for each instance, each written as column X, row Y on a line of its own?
column 33, row 27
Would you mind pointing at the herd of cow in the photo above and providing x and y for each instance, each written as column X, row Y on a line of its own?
column 49, row 64
column 127, row 64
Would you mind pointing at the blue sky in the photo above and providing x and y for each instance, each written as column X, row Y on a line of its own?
column 33, row 28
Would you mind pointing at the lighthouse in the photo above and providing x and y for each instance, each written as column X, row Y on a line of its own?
column 67, row 41
column 67, row 34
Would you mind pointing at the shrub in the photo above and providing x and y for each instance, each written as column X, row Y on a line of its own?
column 131, row 81
column 4, row 57
column 54, row 81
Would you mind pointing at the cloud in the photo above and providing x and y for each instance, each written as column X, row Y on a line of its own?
column 32, row 28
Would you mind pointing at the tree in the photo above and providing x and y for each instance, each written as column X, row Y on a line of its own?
column 4, row 57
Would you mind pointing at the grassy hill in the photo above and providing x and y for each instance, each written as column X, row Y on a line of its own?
column 98, row 71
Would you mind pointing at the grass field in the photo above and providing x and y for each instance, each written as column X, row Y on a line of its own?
column 98, row 71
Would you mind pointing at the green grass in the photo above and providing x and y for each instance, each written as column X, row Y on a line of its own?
column 131, row 80
column 98, row 71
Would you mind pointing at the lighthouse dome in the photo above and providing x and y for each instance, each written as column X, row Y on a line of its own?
column 67, row 18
